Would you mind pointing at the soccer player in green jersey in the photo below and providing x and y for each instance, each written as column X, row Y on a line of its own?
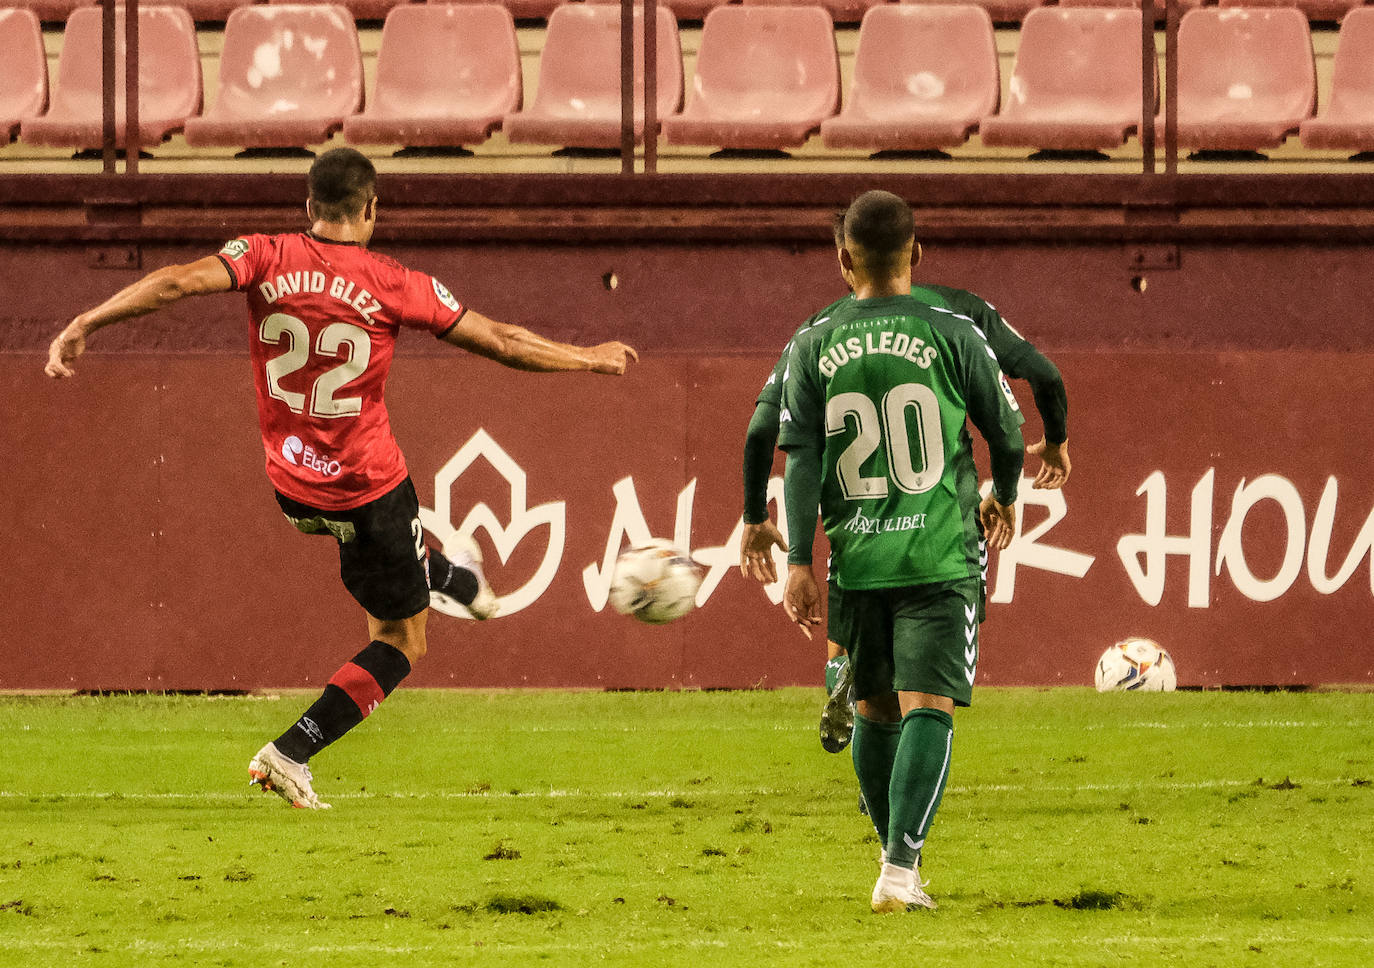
column 874, row 407
column 1018, row 358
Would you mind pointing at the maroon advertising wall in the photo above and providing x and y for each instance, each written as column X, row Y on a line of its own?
column 1208, row 510
column 1222, row 501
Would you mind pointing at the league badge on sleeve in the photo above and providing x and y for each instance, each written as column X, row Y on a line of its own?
column 445, row 297
column 1006, row 391
column 235, row 249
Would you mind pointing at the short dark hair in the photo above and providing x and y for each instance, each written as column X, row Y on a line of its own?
column 837, row 226
column 342, row 182
column 881, row 224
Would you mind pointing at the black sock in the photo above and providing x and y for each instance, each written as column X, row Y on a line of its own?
column 353, row 692
column 451, row 580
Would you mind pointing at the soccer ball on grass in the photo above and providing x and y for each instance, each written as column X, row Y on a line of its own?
column 1135, row 665
column 655, row 582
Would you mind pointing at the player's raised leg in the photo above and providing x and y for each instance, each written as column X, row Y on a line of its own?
column 456, row 578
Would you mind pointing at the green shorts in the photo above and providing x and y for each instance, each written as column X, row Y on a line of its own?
column 835, row 599
column 920, row 638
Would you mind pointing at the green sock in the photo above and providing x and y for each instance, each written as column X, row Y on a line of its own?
column 874, row 747
column 918, row 781
column 832, row 672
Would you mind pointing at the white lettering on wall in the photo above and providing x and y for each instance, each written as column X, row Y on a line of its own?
column 1144, row 555
column 1231, row 550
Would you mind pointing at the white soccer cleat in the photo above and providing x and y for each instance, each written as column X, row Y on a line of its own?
column 898, row 890
column 463, row 552
column 285, row 777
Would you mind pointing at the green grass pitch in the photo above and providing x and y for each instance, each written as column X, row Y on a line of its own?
column 685, row 828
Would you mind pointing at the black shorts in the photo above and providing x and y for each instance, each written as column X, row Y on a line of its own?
column 381, row 549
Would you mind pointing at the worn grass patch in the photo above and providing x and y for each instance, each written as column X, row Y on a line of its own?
column 667, row 828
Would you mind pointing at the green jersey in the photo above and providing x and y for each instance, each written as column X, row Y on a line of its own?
column 772, row 389
column 1010, row 346
column 879, row 393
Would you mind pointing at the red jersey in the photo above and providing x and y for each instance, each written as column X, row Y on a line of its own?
column 324, row 318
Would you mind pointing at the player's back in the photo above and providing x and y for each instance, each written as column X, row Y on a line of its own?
column 887, row 383
column 324, row 317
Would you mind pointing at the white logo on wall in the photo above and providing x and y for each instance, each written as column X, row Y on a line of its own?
column 523, row 519
column 1143, row 556
column 303, row 455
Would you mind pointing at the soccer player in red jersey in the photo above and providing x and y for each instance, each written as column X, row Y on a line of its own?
column 325, row 313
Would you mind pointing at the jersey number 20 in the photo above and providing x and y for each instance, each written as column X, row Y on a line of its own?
column 904, row 455
column 333, row 338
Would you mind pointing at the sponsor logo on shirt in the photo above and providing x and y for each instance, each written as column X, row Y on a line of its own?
column 302, row 454
column 1006, row 391
column 235, row 249
column 863, row 524
column 445, row 297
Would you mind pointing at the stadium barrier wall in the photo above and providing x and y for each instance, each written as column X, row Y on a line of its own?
column 1221, row 499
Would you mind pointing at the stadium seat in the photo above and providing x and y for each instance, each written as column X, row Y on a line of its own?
column 50, row 11
column 1319, row 10
column 766, row 77
column 843, row 11
column 360, row 9
column 288, row 77
column 212, row 11
column 519, row 9
column 1001, row 11
column 1076, row 83
column 924, row 76
column 1246, row 78
column 577, row 103
column 24, row 77
column 1348, row 124
column 682, row 9
column 1135, row 5
column 446, row 76
column 168, row 80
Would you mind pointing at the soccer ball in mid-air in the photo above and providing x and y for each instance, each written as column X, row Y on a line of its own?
column 1136, row 665
column 655, row 582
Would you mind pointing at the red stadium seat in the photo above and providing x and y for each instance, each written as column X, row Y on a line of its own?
column 168, row 80
column 682, row 9
column 1076, row 83
column 1246, row 78
column 578, row 100
column 50, row 11
column 923, row 79
column 1348, row 124
column 24, row 78
column 1321, row 10
column 843, row 11
column 520, row 9
column 212, row 11
column 446, row 76
column 360, row 9
column 1001, row 11
column 288, row 77
column 766, row 77
column 1183, row 5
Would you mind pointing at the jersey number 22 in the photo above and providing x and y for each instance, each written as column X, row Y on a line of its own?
column 333, row 338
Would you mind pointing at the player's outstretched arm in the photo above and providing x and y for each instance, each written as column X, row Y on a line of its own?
column 157, row 289
column 1051, row 400
column 521, row 349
